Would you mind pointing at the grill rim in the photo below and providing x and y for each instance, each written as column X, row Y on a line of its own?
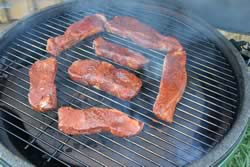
column 235, row 133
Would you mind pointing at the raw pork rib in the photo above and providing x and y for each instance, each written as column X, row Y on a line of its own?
column 106, row 77
column 119, row 54
column 76, row 32
column 95, row 120
column 141, row 34
column 42, row 94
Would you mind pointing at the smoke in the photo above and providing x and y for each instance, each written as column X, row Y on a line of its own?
column 230, row 15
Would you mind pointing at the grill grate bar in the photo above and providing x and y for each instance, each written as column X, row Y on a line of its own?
column 212, row 91
column 18, row 137
column 36, row 136
column 89, row 57
column 232, row 82
column 215, row 98
column 207, row 101
column 209, row 108
column 136, row 118
column 180, row 117
column 148, row 150
column 148, row 117
column 201, row 119
column 82, row 163
column 59, row 148
column 5, row 67
column 211, row 68
column 156, row 93
column 204, row 113
column 88, row 137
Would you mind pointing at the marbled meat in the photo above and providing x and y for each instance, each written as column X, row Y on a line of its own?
column 172, row 86
column 119, row 54
column 77, row 31
column 42, row 92
column 95, row 120
column 106, row 77
column 141, row 34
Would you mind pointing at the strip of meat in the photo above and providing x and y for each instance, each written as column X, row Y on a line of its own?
column 119, row 54
column 172, row 86
column 142, row 34
column 106, row 77
column 42, row 93
column 80, row 30
column 95, row 120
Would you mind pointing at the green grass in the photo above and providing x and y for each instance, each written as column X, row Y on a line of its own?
column 241, row 157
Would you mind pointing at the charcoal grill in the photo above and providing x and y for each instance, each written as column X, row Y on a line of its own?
column 209, row 120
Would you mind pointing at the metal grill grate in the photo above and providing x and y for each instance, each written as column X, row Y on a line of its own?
column 203, row 116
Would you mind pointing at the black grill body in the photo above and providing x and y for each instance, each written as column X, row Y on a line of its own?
column 213, row 102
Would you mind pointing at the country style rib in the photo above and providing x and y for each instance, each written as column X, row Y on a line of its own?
column 119, row 54
column 42, row 93
column 95, row 120
column 106, row 77
column 172, row 86
column 141, row 34
column 76, row 32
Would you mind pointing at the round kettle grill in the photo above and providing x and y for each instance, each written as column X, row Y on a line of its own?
column 209, row 121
